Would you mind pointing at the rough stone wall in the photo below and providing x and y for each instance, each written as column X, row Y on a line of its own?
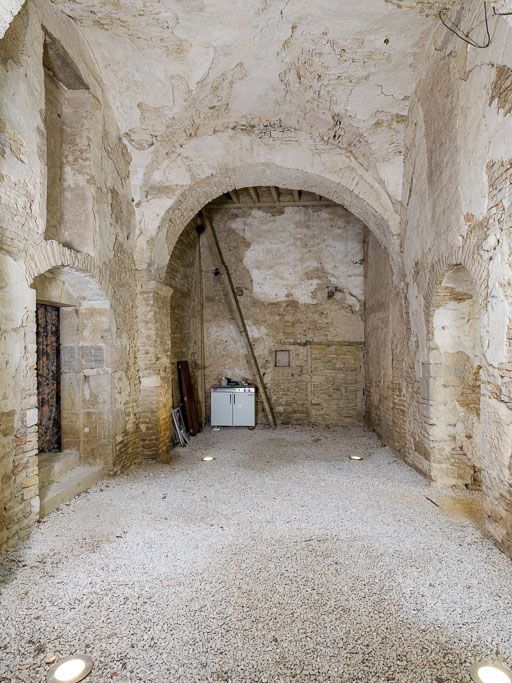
column 299, row 275
column 457, row 212
column 24, row 253
column 182, row 277
column 54, row 95
column 386, row 345
column 404, row 125
column 454, row 386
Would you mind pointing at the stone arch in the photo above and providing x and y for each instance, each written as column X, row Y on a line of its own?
column 207, row 167
column 466, row 256
column 70, row 282
column 51, row 254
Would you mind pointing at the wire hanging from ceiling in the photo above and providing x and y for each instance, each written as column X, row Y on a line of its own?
column 465, row 36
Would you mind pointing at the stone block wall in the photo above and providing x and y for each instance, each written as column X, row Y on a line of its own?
column 91, row 221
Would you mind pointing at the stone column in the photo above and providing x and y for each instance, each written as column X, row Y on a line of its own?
column 154, row 359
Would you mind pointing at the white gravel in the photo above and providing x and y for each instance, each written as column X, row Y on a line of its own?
column 281, row 560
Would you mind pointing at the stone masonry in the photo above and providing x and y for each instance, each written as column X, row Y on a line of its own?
column 120, row 122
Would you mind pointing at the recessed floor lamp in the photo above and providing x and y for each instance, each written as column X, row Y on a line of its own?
column 489, row 672
column 70, row 670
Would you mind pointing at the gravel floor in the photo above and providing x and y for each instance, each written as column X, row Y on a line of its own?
column 281, row 560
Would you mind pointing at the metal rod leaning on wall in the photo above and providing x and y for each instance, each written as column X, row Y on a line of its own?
column 239, row 318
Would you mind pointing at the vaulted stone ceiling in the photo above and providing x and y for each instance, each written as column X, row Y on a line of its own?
column 343, row 71
column 191, row 60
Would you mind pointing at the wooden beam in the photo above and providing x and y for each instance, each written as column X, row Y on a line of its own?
column 271, row 205
column 275, row 194
column 254, row 194
column 296, row 196
column 234, row 196
column 201, row 379
column 239, row 317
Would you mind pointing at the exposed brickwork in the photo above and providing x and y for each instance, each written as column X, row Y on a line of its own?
column 154, row 357
column 299, row 275
column 182, row 276
column 385, row 349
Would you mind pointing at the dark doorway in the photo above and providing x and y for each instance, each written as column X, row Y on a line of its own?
column 48, row 378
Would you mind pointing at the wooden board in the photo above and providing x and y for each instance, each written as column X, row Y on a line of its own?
column 187, row 397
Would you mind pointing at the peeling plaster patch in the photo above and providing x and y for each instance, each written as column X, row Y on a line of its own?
column 10, row 142
column 320, row 121
column 140, row 139
column 289, row 259
column 257, row 331
column 501, row 91
column 202, row 58
column 451, row 329
column 498, row 315
column 15, row 299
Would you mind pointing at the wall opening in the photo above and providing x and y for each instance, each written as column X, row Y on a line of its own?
column 69, row 108
column 49, row 436
column 454, row 383
column 74, row 381
column 297, row 264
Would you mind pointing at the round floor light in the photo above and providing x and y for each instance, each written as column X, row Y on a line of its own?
column 208, row 458
column 355, row 457
column 489, row 672
column 70, row 670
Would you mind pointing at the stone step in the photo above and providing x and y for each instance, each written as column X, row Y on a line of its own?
column 76, row 481
column 53, row 466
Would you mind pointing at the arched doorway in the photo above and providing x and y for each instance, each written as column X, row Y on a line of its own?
column 248, row 166
column 453, row 383
column 73, row 335
column 300, row 265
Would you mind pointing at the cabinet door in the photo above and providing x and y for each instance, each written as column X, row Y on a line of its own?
column 222, row 409
column 244, row 410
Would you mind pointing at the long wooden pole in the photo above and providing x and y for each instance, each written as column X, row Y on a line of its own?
column 200, row 331
column 239, row 318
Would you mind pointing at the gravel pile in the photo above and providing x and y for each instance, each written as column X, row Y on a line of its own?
column 281, row 560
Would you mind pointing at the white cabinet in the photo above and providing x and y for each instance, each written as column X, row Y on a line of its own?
column 233, row 407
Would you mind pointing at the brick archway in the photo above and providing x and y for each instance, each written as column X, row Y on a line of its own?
column 51, row 254
column 299, row 164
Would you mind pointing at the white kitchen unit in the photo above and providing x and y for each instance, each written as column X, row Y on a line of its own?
column 233, row 407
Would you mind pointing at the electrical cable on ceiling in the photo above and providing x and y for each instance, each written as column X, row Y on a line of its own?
column 464, row 36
